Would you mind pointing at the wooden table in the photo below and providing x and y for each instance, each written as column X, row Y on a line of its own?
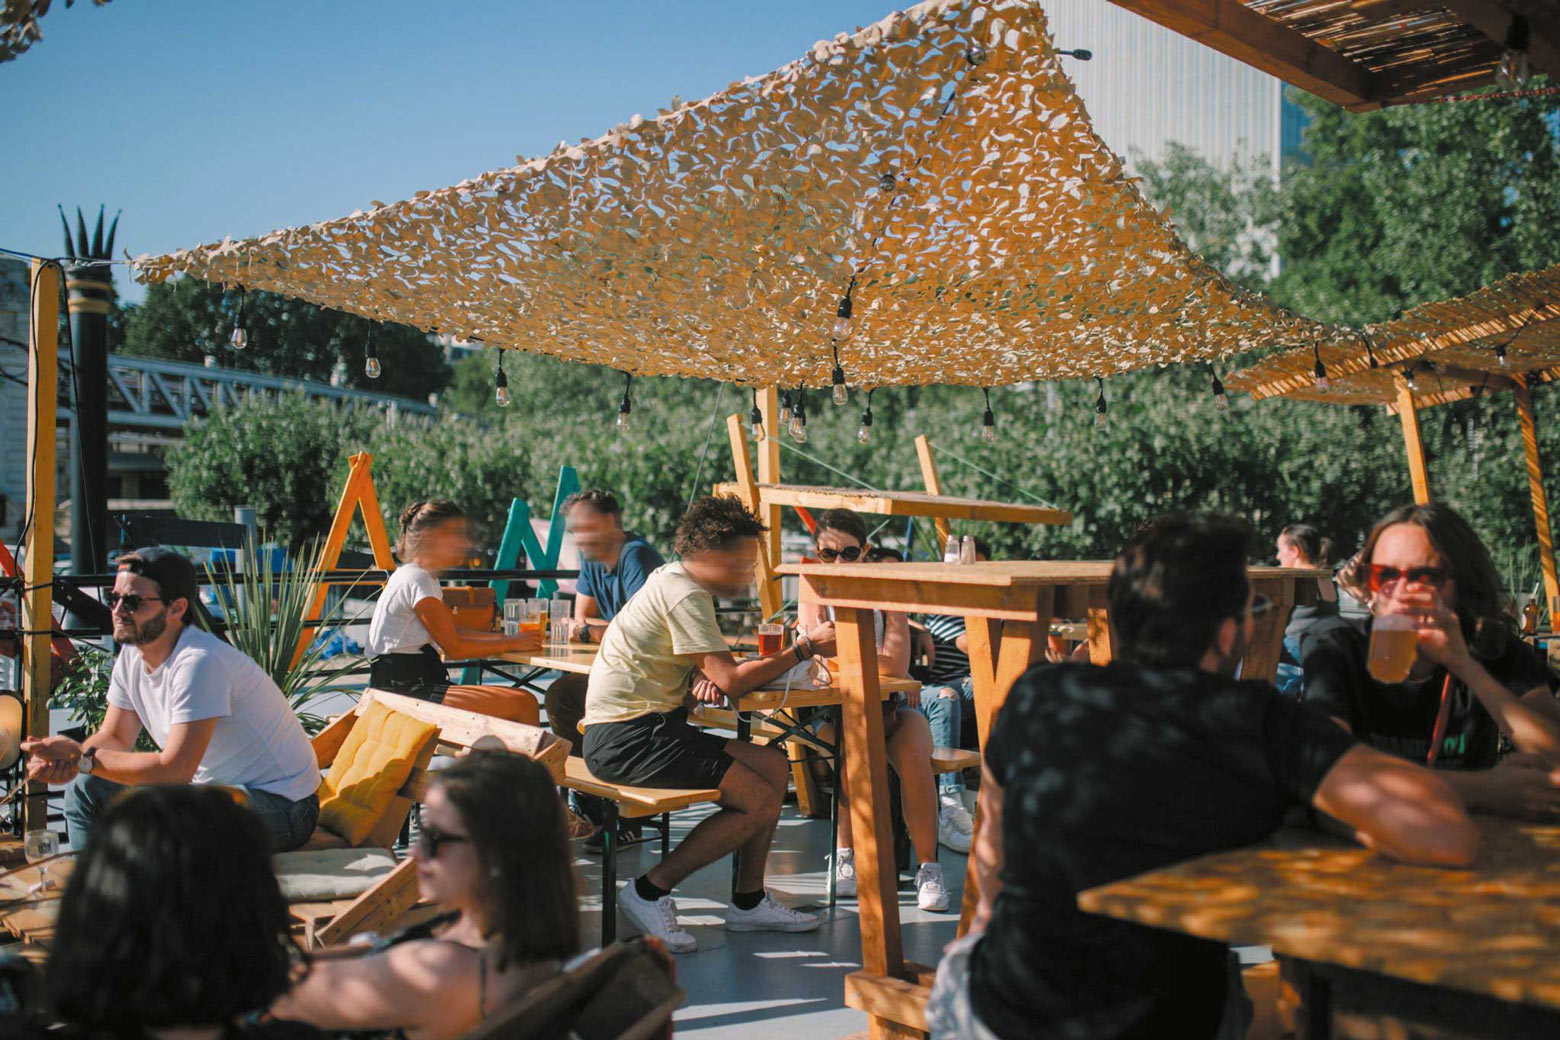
column 900, row 503
column 1024, row 596
column 32, row 919
column 1474, row 952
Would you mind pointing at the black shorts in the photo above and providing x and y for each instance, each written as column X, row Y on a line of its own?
column 656, row 751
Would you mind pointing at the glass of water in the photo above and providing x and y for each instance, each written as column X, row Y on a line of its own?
column 559, row 618
column 39, row 847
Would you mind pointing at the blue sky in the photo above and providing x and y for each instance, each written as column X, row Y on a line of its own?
column 203, row 119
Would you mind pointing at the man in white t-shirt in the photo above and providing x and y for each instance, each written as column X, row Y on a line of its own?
column 215, row 715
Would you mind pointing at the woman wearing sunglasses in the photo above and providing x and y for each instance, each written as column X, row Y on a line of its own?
column 841, row 537
column 1477, row 701
column 492, row 849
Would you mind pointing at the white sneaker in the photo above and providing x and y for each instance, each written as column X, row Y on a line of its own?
column 955, row 828
column 844, row 867
column 658, row 919
column 930, row 892
column 769, row 916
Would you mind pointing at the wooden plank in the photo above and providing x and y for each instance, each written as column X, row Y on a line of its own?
column 1232, row 28
column 769, row 465
column 38, row 569
column 1100, row 649
column 866, row 761
column 466, row 728
column 746, row 488
column 888, row 998
column 634, row 802
column 1267, row 641
column 903, row 503
column 1413, row 443
column 357, row 493
column 376, row 909
column 933, row 481
column 327, row 742
column 1535, row 473
column 576, row 658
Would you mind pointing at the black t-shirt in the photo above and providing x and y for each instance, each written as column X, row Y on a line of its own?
column 1108, row 772
column 1399, row 718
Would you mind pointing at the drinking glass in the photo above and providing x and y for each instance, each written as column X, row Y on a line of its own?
column 39, row 847
column 1394, row 640
column 533, row 619
column 771, row 638
column 559, row 618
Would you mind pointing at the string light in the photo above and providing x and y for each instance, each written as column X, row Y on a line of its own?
column 1500, row 355
column 1514, row 69
column 1100, row 407
column 756, row 419
column 864, row 431
column 1369, row 353
column 1322, row 382
column 798, row 426
column 625, row 406
column 785, row 407
column 371, row 366
column 842, row 323
column 988, row 421
column 1410, row 378
column 1078, row 52
column 1220, row 398
column 841, row 391
column 240, row 336
column 501, row 383
column 886, row 182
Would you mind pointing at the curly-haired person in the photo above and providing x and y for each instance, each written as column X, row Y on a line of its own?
column 636, row 722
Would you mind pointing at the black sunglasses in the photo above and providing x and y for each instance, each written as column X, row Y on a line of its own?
column 130, row 600
column 430, row 838
column 850, row 554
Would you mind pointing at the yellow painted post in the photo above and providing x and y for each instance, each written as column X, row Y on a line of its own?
column 1535, row 472
column 769, row 599
column 769, row 467
column 1417, row 470
column 358, row 493
column 933, row 482
column 38, row 570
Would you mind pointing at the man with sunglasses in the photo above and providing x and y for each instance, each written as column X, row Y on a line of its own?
column 1477, row 702
column 1093, row 774
column 214, row 714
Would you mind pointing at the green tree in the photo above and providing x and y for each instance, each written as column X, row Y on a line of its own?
column 1227, row 214
column 188, row 319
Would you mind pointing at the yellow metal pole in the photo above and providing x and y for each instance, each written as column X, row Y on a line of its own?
column 1535, row 472
column 933, row 482
column 38, row 570
column 1417, row 470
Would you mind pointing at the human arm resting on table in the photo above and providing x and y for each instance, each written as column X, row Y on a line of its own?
column 1401, row 810
column 588, row 624
column 735, row 678
column 460, row 643
column 421, row 985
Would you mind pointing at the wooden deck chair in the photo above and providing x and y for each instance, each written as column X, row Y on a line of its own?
column 625, row 992
column 457, row 732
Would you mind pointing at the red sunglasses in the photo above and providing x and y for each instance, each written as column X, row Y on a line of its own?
column 1378, row 576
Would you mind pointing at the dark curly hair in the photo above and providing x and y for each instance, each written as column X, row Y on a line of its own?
column 715, row 522
column 172, row 917
column 512, row 812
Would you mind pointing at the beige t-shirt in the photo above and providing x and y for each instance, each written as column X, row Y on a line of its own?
column 649, row 649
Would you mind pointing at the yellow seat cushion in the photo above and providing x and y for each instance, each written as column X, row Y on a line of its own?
column 373, row 764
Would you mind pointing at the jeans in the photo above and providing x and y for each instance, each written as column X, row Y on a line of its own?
column 946, row 716
column 289, row 823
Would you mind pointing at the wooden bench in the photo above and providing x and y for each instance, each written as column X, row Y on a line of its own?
column 634, row 803
column 953, row 760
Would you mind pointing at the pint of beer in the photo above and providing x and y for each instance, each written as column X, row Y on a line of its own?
column 1394, row 639
column 771, row 639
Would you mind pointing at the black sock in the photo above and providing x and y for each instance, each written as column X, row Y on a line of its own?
column 747, row 900
column 647, row 891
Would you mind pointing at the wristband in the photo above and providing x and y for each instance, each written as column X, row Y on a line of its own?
column 804, row 649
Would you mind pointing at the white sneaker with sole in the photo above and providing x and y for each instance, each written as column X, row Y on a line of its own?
column 769, row 916
column 930, row 892
column 955, row 828
column 658, row 919
column 844, row 867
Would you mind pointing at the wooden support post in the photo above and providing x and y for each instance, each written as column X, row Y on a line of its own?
column 769, row 467
column 866, row 760
column 933, row 482
column 38, row 568
column 1417, row 470
column 769, row 599
column 1267, row 641
column 1535, row 472
column 1100, row 651
column 358, row 493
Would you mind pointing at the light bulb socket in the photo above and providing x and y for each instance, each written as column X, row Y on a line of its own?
column 989, row 418
column 843, row 311
column 886, row 182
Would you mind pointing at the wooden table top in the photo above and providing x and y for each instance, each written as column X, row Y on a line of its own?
column 575, row 658
column 32, row 918
column 1493, row 929
column 902, row 503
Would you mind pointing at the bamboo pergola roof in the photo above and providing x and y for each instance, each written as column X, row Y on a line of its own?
column 990, row 239
column 1363, row 54
column 1453, row 348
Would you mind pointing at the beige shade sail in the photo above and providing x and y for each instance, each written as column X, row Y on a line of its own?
column 940, row 159
column 1455, row 349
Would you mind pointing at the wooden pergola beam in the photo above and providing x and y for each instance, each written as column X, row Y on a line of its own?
column 1535, row 472
column 1230, row 27
column 1413, row 443
column 1494, row 19
column 38, row 567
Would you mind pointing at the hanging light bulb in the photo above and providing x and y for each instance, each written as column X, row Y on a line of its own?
column 756, row 420
column 1100, row 407
column 1322, row 382
column 1500, row 355
column 864, row 431
column 886, row 183
column 371, row 366
column 798, row 427
column 240, row 336
column 1513, row 70
column 842, row 325
column 988, row 421
column 501, row 383
column 785, row 408
column 841, row 392
column 625, row 406
column 1410, row 378
column 1220, row 398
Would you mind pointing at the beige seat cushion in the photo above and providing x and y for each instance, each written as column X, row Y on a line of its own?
column 321, row 875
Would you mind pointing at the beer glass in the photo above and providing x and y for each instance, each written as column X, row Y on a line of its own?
column 1394, row 640
column 771, row 638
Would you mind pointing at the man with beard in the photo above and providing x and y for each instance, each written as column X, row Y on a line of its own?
column 637, row 730
column 1094, row 774
column 215, row 715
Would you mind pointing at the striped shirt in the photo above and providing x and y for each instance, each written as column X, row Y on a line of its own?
column 951, row 664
